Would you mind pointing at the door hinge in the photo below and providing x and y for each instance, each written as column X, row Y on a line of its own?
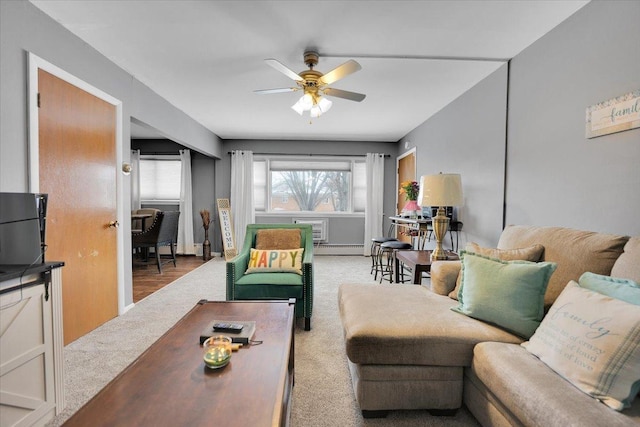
column 38, row 100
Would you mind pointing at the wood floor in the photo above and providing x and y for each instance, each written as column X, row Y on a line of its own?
column 147, row 280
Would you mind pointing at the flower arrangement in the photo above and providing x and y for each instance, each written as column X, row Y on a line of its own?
column 205, row 214
column 410, row 189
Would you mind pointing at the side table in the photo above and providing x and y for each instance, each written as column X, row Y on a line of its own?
column 419, row 262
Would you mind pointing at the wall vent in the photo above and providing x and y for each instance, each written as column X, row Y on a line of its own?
column 319, row 227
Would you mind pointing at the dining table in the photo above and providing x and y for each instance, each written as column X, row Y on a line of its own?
column 422, row 229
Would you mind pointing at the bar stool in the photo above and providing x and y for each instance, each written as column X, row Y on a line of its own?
column 390, row 248
column 376, row 265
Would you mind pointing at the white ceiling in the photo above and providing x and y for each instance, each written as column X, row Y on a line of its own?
column 206, row 57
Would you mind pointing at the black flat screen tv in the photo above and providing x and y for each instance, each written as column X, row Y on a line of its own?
column 22, row 225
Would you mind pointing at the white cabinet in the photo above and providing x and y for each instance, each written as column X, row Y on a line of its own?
column 31, row 348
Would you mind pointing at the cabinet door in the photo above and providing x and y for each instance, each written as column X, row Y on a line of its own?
column 26, row 358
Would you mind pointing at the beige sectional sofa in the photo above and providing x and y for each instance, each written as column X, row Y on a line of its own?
column 407, row 349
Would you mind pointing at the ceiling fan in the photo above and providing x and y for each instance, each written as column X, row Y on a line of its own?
column 315, row 84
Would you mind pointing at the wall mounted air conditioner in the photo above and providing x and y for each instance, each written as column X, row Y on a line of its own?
column 319, row 227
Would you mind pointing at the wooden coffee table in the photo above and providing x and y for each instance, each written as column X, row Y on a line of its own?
column 419, row 262
column 169, row 383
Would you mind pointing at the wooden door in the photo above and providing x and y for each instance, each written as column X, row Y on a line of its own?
column 77, row 152
column 406, row 172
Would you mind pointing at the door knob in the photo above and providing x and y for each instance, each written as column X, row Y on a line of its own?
column 114, row 224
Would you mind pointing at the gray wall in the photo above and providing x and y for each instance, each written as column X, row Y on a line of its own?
column 555, row 176
column 203, row 179
column 346, row 230
column 468, row 137
column 24, row 28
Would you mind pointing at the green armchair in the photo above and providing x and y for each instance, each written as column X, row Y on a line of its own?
column 274, row 285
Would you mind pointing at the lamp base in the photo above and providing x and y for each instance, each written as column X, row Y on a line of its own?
column 439, row 254
column 440, row 224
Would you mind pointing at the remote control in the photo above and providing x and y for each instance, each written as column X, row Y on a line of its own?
column 228, row 327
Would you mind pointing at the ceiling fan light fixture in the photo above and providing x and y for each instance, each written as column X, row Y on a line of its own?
column 297, row 107
column 325, row 104
column 314, row 85
column 315, row 111
column 307, row 101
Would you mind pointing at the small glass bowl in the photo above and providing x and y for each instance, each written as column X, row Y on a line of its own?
column 217, row 351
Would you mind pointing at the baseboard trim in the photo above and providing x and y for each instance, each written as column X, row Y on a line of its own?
column 127, row 308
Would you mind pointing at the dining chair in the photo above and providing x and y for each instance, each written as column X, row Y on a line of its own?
column 162, row 232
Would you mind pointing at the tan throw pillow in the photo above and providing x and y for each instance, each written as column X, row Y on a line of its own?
column 278, row 238
column 627, row 264
column 275, row 261
column 532, row 253
column 593, row 341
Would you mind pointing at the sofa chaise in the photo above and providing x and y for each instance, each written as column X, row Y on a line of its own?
column 407, row 348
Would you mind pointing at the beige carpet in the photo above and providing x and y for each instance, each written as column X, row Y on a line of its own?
column 322, row 395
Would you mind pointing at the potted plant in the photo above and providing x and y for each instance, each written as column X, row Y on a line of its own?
column 410, row 189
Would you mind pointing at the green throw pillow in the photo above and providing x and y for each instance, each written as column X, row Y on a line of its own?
column 509, row 294
column 622, row 289
column 593, row 341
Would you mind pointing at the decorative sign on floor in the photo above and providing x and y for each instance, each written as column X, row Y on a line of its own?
column 615, row 115
column 226, row 228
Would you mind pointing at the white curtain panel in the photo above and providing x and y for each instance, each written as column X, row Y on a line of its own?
column 373, row 213
column 185, row 223
column 135, row 180
column 241, row 200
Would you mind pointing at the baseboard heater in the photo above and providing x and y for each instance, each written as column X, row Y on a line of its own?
column 338, row 249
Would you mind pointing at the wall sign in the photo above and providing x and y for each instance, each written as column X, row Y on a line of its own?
column 226, row 228
column 615, row 115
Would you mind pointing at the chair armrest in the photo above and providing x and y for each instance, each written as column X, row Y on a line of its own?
column 444, row 275
column 307, row 257
column 235, row 269
column 307, row 278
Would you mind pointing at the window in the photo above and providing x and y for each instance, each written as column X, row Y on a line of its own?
column 160, row 179
column 294, row 184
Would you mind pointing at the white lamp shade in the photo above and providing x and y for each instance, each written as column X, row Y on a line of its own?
column 440, row 190
column 298, row 108
column 324, row 104
column 315, row 111
column 306, row 101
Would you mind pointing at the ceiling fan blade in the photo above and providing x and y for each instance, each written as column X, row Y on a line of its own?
column 340, row 72
column 283, row 69
column 339, row 93
column 279, row 90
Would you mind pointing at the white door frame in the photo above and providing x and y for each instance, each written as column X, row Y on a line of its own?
column 35, row 63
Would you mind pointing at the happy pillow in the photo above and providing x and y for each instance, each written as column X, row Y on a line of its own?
column 275, row 261
column 593, row 341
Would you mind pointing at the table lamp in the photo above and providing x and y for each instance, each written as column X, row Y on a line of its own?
column 440, row 190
